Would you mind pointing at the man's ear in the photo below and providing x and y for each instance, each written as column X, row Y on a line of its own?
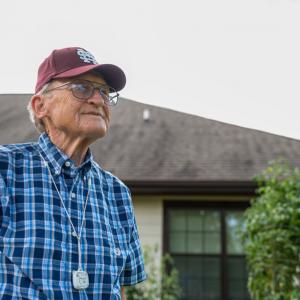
column 39, row 106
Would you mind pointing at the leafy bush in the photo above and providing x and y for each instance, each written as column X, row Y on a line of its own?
column 162, row 281
column 272, row 235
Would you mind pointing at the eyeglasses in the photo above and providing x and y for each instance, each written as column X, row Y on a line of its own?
column 84, row 90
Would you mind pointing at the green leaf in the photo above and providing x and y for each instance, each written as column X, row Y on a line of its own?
column 271, row 234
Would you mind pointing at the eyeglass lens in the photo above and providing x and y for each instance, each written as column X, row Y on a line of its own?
column 85, row 90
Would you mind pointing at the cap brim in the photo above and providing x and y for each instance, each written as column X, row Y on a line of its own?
column 112, row 74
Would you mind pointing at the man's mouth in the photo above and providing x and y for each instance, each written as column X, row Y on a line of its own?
column 95, row 113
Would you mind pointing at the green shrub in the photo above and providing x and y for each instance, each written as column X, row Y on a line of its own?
column 272, row 235
column 162, row 281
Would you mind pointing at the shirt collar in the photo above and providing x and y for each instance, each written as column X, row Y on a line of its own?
column 58, row 161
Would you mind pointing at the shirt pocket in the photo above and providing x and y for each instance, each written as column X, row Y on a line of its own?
column 119, row 248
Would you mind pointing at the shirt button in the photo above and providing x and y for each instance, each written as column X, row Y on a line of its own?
column 73, row 195
column 67, row 164
column 117, row 251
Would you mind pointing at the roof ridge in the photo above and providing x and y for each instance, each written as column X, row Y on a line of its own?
column 213, row 120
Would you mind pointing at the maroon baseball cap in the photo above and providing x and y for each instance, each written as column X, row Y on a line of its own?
column 74, row 61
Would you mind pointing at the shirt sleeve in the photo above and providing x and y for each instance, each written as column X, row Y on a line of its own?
column 4, row 171
column 3, row 197
column 134, row 270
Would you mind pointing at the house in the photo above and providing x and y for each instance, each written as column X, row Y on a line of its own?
column 191, row 180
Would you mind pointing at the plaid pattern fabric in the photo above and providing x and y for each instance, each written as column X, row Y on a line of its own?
column 37, row 250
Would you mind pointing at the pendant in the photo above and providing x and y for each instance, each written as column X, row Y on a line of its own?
column 80, row 279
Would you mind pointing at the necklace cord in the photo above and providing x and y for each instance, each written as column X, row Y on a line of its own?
column 78, row 236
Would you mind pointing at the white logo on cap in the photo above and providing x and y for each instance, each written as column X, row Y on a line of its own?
column 86, row 56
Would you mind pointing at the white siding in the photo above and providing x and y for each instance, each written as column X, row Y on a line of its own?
column 149, row 218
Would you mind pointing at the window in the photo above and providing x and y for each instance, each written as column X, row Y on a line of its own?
column 205, row 246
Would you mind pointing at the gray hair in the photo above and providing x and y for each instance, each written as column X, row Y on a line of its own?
column 38, row 123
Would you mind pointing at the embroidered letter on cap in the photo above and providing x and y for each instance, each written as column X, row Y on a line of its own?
column 86, row 56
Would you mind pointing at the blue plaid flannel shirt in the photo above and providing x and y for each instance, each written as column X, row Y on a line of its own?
column 37, row 250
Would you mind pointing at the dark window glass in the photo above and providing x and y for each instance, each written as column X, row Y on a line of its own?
column 234, row 223
column 237, row 278
column 199, row 277
column 195, row 232
column 208, row 253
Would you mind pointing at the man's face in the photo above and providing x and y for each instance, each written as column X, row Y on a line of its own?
column 88, row 119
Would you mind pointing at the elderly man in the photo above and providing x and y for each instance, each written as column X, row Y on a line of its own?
column 67, row 229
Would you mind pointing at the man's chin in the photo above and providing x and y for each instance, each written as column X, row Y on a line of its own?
column 91, row 134
column 97, row 134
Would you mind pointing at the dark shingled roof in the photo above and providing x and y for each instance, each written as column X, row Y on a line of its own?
column 171, row 146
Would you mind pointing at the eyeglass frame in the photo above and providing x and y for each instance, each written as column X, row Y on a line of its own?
column 95, row 87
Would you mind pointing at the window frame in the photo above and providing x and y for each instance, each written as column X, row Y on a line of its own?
column 220, row 206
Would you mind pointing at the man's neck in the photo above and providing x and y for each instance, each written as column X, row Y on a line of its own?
column 75, row 147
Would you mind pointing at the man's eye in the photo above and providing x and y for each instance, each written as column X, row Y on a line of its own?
column 79, row 87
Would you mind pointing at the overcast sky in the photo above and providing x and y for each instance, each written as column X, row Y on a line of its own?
column 235, row 61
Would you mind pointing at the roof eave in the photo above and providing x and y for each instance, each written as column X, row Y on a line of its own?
column 153, row 187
